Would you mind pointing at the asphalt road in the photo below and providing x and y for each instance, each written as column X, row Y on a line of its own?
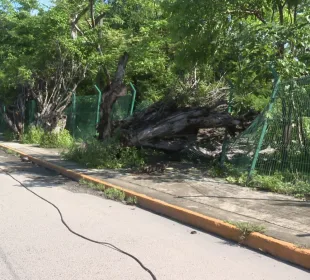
column 35, row 245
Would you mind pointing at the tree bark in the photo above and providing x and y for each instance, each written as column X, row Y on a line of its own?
column 114, row 90
column 14, row 115
column 166, row 127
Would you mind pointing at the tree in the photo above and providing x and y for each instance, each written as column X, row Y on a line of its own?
column 241, row 39
column 42, row 63
column 116, row 31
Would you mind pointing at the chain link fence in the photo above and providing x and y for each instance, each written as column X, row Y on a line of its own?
column 278, row 141
column 83, row 113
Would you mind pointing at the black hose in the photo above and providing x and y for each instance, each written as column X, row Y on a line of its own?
column 109, row 245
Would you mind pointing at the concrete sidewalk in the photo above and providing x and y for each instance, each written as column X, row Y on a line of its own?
column 284, row 217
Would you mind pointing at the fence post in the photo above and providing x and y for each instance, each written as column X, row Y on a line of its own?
column 73, row 113
column 225, row 143
column 32, row 110
column 264, row 130
column 133, row 99
column 98, row 105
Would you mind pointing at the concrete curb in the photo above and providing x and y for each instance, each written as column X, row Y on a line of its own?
column 279, row 249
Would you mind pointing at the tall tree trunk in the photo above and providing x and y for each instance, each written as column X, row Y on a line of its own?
column 281, row 19
column 14, row 115
column 114, row 90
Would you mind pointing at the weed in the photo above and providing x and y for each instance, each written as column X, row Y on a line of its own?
column 109, row 193
column 107, row 154
column 247, row 228
column 91, row 185
column 63, row 139
column 114, row 194
column 131, row 200
column 36, row 135
column 9, row 152
column 33, row 135
column 278, row 182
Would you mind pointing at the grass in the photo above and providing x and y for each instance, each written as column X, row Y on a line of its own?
column 114, row 194
column 107, row 154
column 110, row 193
column 131, row 200
column 9, row 152
column 93, row 186
column 247, row 228
column 281, row 183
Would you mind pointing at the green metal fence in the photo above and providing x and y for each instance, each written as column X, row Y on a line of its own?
column 83, row 113
column 31, row 110
column 278, row 141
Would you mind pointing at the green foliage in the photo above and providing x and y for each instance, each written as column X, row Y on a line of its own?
column 278, row 183
column 36, row 135
column 170, row 43
column 63, row 139
column 241, row 40
column 94, row 186
column 131, row 200
column 9, row 135
column 247, row 228
column 114, row 194
column 143, row 105
column 33, row 135
column 109, row 193
column 107, row 154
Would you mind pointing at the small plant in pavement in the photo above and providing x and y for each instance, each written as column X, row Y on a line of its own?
column 114, row 194
column 109, row 193
column 131, row 200
column 91, row 185
column 247, row 228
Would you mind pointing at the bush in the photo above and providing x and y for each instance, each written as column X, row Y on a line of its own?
column 33, row 135
column 63, row 139
column 36, row 135
column 107, row 154
column 9, row 135
column 277, row 183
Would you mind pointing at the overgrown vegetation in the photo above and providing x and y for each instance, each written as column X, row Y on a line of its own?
column 62, row 139
column 37, row 135
column 279, row 182
column 107, row 154
column 181, row 55
column 9, row 135
column 33, row 135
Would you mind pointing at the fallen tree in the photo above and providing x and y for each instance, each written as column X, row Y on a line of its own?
column 168, row 127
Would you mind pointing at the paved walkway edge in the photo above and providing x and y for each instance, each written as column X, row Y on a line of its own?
column 277, row 248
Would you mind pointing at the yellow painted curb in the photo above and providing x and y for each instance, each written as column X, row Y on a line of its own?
column 277, row 248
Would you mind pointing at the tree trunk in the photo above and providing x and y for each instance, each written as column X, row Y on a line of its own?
column 114, row 90
column 14, row 115
column 166, row 127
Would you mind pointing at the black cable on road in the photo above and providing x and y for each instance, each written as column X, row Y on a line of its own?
column 109, row 245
